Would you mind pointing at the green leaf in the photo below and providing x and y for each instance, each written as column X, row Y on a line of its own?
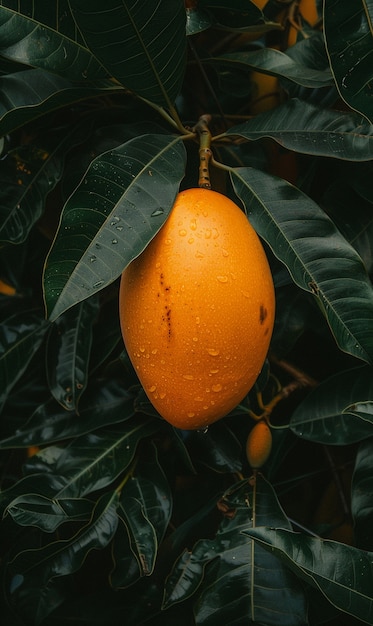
column 361, row 496
column 317, row 256
column 338, row 200
column 311, row 129
column 30, row 94
column 21, row 335
column 95, row 460
column 233, row 577
column 144, row 513
column 275, row 63
column 197, row 20
column 343, row 574
column 106, row 403
column 36, row 568
column 37, row 510
column 68, row 350
column 120, row 204
column 349, row 42
column 27, row 41
column 141, row 44
column 339, row 411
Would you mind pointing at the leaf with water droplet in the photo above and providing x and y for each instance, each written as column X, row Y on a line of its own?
column 99, row 204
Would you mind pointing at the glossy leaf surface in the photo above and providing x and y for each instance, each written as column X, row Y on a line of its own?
column 30, row 94
column 20, row 337
column 37, row 510
column 349, row 41
column 93, row 461
column 231, row 575
column 141, row 44
column 120, row 204
column 342, row 573
column 26, row 40
column 318, row 258
column 275, row 63
column 144, row 513
column 339, row 411
column 63, row 557
column 310, row 129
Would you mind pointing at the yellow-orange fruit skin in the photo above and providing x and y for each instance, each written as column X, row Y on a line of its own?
column 259, row 444
column 197, row 310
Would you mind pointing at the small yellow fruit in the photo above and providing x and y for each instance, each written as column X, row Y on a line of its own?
column 197, row 310
column 259, row 444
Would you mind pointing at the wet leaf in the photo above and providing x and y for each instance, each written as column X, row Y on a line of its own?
column 349, row 42
column 312, row 129
column 28, row 41
column 121, row 203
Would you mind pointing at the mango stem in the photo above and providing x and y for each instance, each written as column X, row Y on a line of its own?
column 205, row 153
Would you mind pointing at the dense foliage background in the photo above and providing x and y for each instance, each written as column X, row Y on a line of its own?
column 109, row 515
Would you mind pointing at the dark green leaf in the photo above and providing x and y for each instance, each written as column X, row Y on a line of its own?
column 26, row 41
column 38, row 567
column 310, row 129
column 141, row 44
column 232, row 14
column 317, row 256
column 121, row 203
column 218, row 448
column 27, row 95
column 107, row 403
column 29, row 173
column 20, row 337
column 361, row 496
column 342, row 573
column 339, row 199
column 349, row 42
column 339, row 411
column 197, row 20
column 37, row 510
column 275, row 63
column 106, row 336
column 68, row 350
column 105, row 136
column 233, row 577
column 144, row 512
column 43, row 484
column 93, row 461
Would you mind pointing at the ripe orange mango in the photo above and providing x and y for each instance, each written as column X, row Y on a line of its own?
column 197, row 310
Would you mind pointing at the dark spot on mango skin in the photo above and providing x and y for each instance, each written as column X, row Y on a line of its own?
column 262, row 313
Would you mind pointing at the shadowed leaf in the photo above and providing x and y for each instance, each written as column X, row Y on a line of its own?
column 341, row 573
column 339, row 411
